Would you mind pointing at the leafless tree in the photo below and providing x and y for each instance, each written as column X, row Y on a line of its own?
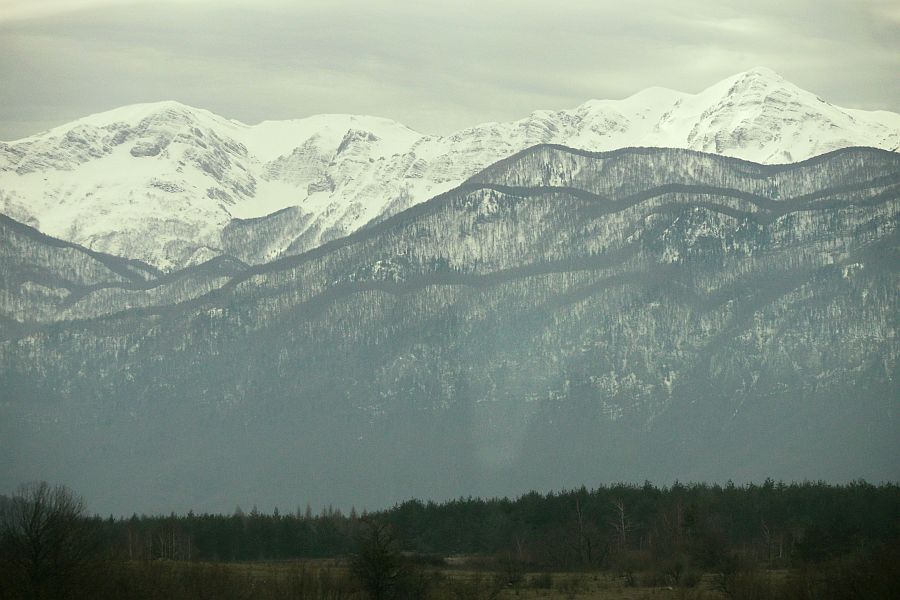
column 377, row 563
column 45, row 538
column 621, row 524
column 584, row 542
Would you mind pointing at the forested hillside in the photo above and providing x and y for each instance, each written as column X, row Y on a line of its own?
column 562, row 317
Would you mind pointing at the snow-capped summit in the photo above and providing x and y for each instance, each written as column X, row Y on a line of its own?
column 759, row 116
column 163, row 182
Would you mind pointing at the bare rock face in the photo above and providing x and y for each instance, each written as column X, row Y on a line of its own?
column 149, row 148
column 91, row 181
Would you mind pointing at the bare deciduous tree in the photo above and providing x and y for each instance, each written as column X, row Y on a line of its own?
column 621, row 524
column 376, row 563
column 45, row 538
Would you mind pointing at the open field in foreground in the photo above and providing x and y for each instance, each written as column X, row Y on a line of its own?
column 334, row 580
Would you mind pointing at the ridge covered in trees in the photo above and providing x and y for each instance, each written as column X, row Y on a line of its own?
column 563, row 317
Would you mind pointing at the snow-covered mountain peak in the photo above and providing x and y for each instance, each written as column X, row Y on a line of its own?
column 758, row 86
column 761, row 74
column 131, row 115
column 651, row 96
column 269, row 140
column 162, row 181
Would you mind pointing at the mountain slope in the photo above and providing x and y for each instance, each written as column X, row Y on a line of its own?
column 175, row 186
column 564, row 317
column 43, row 279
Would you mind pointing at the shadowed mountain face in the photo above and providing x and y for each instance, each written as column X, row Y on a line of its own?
column 562, row 318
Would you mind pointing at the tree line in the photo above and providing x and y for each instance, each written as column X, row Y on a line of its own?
column 677, row 531
column 776, row 522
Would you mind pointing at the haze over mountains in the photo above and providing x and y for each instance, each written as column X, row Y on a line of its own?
column 174, row 186
column 564, row 317
column 554, row 317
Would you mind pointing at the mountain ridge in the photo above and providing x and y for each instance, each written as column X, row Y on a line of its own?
column 173, row 186
column 541, row 327
column 763, row 207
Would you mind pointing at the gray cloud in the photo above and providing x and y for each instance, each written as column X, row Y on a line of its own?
column 432, row 66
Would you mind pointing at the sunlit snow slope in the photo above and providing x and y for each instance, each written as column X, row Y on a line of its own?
column 173, row 185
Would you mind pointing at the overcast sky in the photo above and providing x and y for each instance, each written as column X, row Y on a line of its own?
column 435, row 66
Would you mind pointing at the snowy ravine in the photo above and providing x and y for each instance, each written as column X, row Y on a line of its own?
column 175, row 186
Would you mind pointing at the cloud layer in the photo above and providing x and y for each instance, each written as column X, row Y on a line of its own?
column 435, row 66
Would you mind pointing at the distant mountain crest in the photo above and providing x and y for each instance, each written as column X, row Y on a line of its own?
column 162, row 182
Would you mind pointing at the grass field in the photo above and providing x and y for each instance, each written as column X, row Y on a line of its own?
column 331, row 580
column 479, row 579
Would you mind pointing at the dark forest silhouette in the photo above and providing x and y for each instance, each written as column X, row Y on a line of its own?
column 834, row 538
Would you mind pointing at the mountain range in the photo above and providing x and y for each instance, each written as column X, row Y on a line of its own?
column 195, row 312
column 562, row 317
column 174, row 186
